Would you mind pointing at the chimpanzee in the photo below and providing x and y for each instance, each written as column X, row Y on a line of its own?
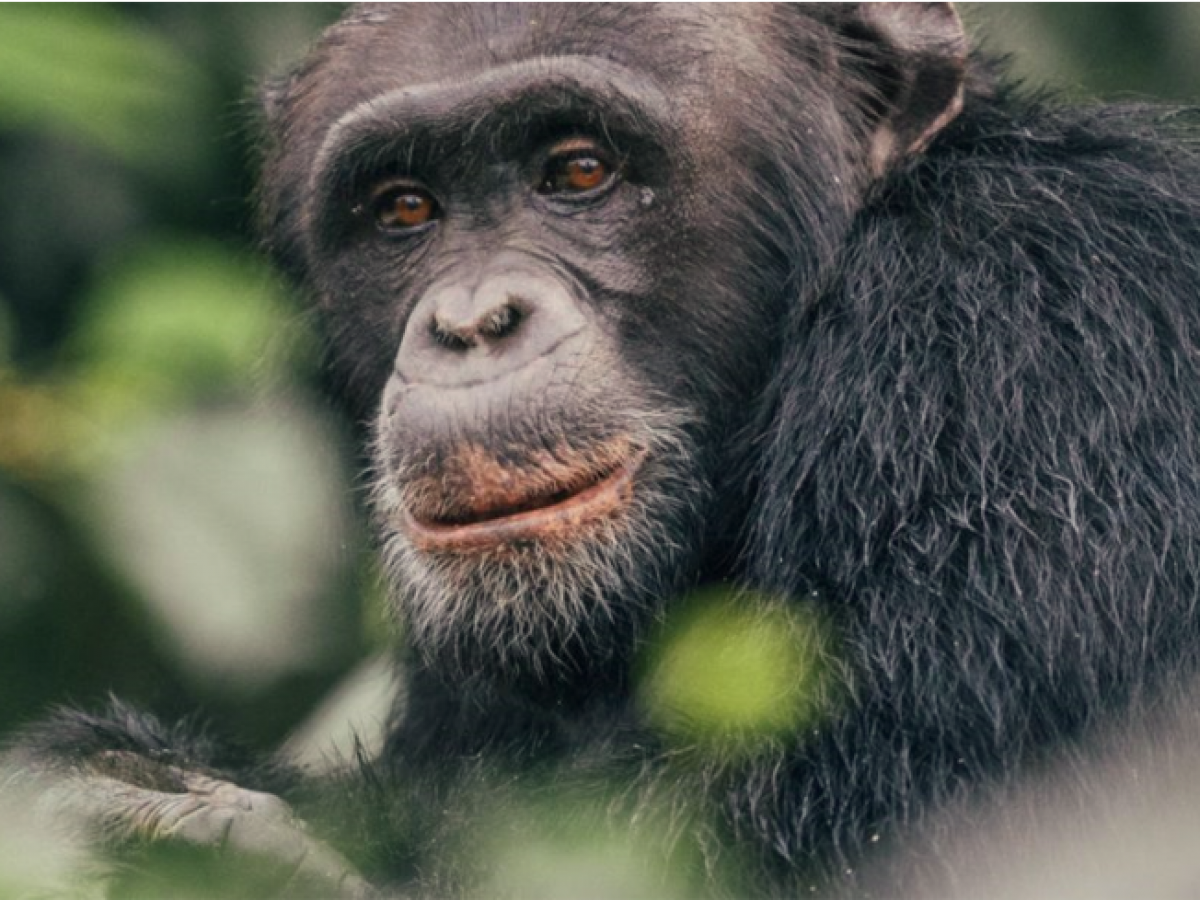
column 801, row 300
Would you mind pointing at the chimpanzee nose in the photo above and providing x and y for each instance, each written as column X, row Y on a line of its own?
column 461, row 320
column 461, row 334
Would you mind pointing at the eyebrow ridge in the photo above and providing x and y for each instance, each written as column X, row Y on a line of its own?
column 616, row 89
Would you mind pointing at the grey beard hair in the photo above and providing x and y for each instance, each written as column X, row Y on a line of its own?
column 516, row 610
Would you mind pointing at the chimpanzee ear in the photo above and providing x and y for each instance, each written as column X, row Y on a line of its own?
column 909, row 62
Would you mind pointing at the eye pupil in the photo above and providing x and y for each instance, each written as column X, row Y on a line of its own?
column 404, row 208
column 574, row 170
column 584, row 174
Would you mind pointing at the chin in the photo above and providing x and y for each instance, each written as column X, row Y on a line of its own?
column 516, row 567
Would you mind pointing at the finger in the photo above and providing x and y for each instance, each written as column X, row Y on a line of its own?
column 112, row 811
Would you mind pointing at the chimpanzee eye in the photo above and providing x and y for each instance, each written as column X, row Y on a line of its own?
column 403, row 207
column 576, row 166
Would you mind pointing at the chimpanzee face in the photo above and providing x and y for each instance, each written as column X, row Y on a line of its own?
column 552, row 253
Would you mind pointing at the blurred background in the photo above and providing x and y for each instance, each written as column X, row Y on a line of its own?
column 180, row 515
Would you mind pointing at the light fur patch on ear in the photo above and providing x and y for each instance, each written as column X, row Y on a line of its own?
column 884, row 145
column 927, row 46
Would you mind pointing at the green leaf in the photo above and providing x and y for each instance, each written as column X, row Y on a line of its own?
column 186, row 320
column 737, row 671
column 83, row 72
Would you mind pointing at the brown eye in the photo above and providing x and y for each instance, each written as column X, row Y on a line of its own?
column 576, row 168
column 402, row 208
column 585, row 173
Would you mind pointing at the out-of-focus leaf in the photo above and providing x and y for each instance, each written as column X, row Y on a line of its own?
column 39, row 432
column 170, row 325
column 37, row 860
column 736, row 672
column 83, row 71
column 546, row 846
column 231, row 524
column 188, row 316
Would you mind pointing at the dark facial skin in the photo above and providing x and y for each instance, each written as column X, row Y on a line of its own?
column 527, row 272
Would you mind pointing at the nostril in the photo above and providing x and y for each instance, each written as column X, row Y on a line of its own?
column 495, row 324
column 449, row 338
column 501, row 322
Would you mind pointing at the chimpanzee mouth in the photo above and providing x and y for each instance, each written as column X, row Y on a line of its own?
column 543, row 514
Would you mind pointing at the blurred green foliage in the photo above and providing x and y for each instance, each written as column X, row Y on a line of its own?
column 540, row 847
column 176, row 520
column 737, row 673
column 180, row 322
column 85, row 72
column 162, row 427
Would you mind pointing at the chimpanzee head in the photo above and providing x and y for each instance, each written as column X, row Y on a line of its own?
column 553, row 246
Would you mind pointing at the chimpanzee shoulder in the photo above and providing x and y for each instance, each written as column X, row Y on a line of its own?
column 985, row 437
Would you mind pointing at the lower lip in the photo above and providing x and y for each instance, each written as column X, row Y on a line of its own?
column 560, row 521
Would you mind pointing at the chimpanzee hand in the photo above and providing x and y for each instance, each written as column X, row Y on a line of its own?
column 153, row 812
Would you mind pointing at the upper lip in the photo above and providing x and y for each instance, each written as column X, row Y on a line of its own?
column 547, row 511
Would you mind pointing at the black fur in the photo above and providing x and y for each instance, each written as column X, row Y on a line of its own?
column 123, row 742
column 969, row 437
column 984, row 453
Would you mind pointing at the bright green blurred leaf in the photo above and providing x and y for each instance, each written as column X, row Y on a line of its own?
column 190, row 315
column 173, row 324
column 735, row 670
column 85, row 72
